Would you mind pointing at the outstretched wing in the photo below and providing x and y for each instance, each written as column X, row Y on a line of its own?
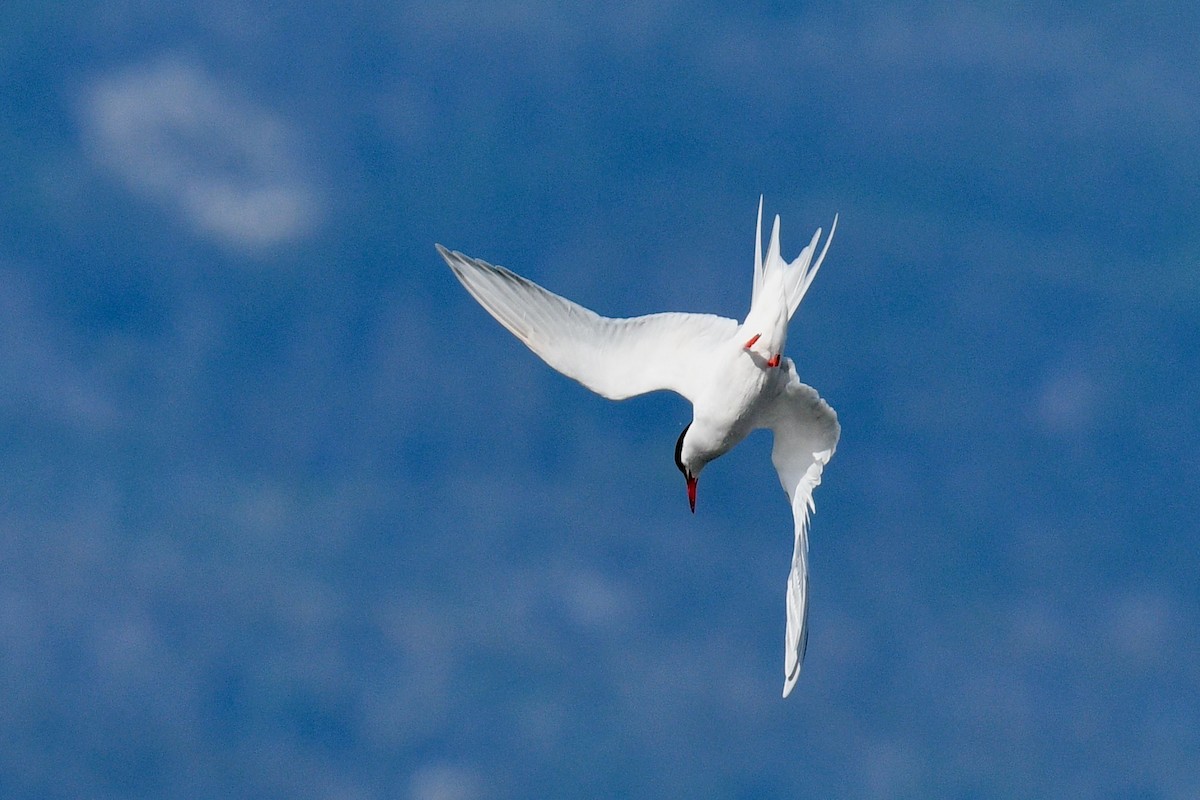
column 806, row 434
column 616, row 358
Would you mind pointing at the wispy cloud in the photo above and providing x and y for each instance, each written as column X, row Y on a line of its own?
column 445, row 782
column 1066, row 402
column 174, row 134
column 37, row 374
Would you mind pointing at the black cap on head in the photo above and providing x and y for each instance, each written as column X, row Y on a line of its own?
column 679, row 450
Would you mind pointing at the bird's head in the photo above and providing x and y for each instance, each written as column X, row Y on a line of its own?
column 689, row 465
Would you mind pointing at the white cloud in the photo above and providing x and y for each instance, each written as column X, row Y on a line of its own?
column 1065, row 404
column 37, row 373
column 961, row 73
column 1141, row 626
column 174, row 134
column 543, row 26
column 445, row 782
column 594, row 600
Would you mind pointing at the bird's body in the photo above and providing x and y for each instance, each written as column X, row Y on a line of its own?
column 735, row 376
column 732, row 399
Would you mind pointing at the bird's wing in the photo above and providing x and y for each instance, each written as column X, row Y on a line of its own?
column 616, row 358
column 806, row 434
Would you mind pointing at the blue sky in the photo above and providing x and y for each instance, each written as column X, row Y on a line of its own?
column 287, row 515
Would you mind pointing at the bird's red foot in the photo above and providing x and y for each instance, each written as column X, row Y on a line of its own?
column 774, row 362
column 753, row 339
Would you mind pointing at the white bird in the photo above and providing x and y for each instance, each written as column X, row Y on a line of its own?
column 735, row 376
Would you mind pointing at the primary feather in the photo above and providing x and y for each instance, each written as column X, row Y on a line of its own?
column 616, row 358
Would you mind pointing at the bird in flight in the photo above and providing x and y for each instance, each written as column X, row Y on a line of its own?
column 735, row 376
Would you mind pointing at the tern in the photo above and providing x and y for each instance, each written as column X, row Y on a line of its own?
column 735, row 376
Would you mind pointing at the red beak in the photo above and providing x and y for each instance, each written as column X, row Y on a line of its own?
column 691, row 482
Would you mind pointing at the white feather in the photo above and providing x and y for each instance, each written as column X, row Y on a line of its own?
column 733, row 387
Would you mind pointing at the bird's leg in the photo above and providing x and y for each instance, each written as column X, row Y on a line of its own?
column 774, row 362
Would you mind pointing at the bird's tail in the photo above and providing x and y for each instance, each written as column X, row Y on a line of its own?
column 797, row 275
